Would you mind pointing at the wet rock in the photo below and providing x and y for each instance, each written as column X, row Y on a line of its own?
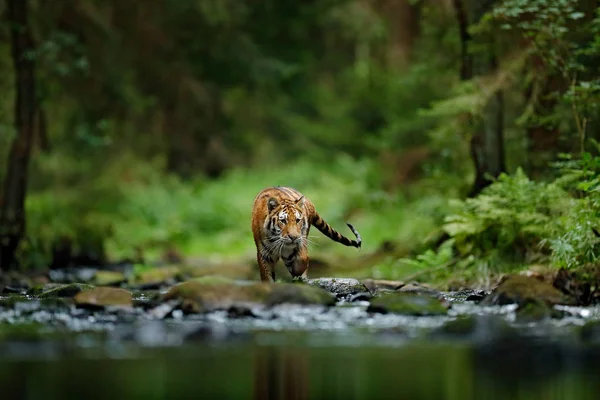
column 379, row 284
column 580, row 285
column 69, row 290
column 157, row 275
column 365, row 296
column 165, row 309
column 213, row 280
column 13, row 290
column 522, row 289
column 420, row 289
column 474, row 295
column 237, row 311
column 109, row 278
column 533, row 310
column 339, row 286
column 408, row 304
column 298, row 294
column 103, row 297
column 208, row 296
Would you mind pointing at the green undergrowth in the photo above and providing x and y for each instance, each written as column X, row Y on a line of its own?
column 511, row 225
column 132, row 206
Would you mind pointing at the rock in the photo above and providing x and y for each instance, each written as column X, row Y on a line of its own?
column 109, row 278
column 69, row 290
column 339, row 286
column 379, row 284
column 533, row 310
column 578, row 284
column 213, row 280
column 157, row 275
column 407, row 303
column 522, row 289
column 298, row 294
column 463, row 295
column 420, row 289
column 200, row 296
column 104, row 296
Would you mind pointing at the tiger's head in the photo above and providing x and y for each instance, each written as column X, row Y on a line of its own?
column 287, row 221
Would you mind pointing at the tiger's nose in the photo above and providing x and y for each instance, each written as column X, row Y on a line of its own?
column 293, row 238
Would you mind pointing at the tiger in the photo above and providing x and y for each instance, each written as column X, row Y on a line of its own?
column 281, row 221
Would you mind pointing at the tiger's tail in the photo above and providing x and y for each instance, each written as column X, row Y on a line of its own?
column 334, row 235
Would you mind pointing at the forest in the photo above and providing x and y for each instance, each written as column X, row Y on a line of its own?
column 450, row 132
column 461, row 138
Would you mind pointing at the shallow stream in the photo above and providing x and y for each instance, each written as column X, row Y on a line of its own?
column 52, row 350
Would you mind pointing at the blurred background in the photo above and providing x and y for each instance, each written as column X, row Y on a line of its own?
column 155, row 123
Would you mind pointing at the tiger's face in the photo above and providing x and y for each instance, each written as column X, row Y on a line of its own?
column 287, row 222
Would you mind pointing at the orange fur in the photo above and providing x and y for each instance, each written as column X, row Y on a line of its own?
column 281, row 221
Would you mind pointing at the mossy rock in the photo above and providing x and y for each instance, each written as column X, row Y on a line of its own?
column 68, row 290
column 109, row 278
column 408, row 304
column 339, row 286
column 523, row 289
column 157, row 275
column 198, row 296
column 536, row 310
column 103, row 297
column 213, row 280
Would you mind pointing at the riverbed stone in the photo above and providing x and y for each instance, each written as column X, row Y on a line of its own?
column 522, row 289
column 375, row 285
column 68, row 290
column 200, row 296
column 103, row 297
column 339, row 286
column 109, row 278
column 408, row 304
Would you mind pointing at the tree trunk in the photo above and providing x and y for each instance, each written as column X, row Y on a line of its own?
column 543, row 140
column 12, row 209
column 487, row 143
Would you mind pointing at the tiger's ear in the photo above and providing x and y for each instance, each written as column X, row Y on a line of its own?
column 300, row 201
column 272, row 203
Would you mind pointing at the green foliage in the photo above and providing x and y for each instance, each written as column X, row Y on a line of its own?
column 576, row 244
column 150, row 211
column 511, row 215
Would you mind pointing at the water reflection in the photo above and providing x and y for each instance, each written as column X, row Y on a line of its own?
column 523, row 369
column 281, row 374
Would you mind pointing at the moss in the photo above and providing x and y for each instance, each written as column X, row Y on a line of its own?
column 109, row 278
column 522, row 289
column 407, row 303
column 157, row 275
column 532, row 311
column 213, row 280
column 69, row 290
column 104, row 296
column 214, row 293
column 299, row 294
